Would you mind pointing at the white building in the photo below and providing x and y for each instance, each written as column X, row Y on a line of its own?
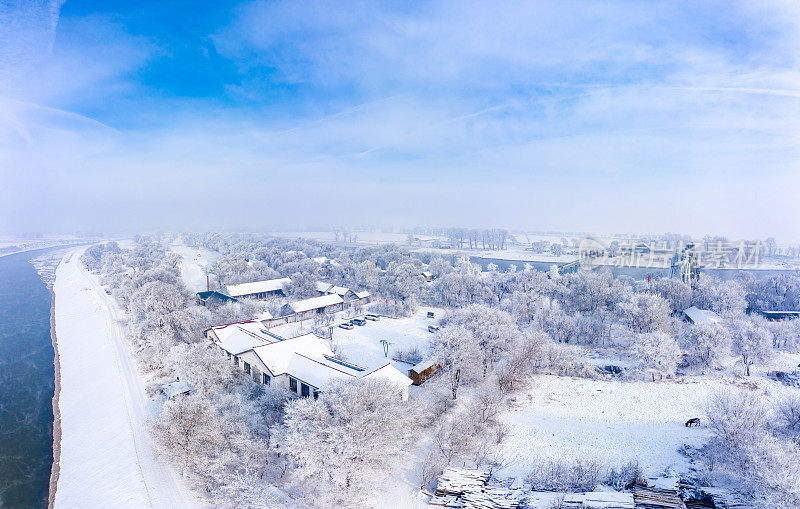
column 258, row 289
column 304, row 364
column 701, row 316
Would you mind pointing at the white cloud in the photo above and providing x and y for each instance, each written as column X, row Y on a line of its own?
column 607, row 117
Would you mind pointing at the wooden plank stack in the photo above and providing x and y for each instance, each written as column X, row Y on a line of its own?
column 652, row 497
column 490, row 498
column 465, row 488
column 456, row 481
column 598, row 500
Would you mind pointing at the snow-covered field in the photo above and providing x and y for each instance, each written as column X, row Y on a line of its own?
column 193, row 264
column 106, row 456
column 606, row 420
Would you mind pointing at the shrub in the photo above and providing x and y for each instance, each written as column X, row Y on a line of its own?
column 565, row 475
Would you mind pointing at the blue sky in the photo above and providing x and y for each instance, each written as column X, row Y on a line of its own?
column 620, row 116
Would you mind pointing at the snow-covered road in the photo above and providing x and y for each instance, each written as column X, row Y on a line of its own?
column 107, row 459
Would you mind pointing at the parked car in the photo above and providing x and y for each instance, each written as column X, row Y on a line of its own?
column 358, row 321
column 346, row 325
column 374, row 318
column 433, row 328
column 430, row 314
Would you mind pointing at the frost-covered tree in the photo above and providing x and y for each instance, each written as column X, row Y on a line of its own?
column 751, row 341
column 347, row 442
column 706, row 345
column 726, row 298
column 657, row 352
column 403, row 281
column 644, row 313
column 456, row 350
column 439, row 266
column 677, row 293
column 494, row 331
column 303, row 286
column 759, row 456
column 188, row 430
column 527, row 305
column 367, row 275
column 590, row 291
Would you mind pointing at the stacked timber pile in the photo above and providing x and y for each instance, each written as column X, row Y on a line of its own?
column 468, row 489
column 662, row 494
column 492, row 497
column 598, row 500
column 455, row 481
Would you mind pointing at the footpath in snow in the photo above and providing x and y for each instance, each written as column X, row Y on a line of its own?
column 106, row 457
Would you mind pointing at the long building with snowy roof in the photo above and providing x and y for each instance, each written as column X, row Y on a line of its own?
column 258, row 289
column 304, row 365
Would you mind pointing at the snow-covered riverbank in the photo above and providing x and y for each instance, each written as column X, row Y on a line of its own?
column 106, row 459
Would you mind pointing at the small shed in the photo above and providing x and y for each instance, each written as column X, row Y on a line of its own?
column 427, row 276
column 204, row 298
column 363, row 296
column 422, row 371
column 177, row 388
column 701, row 316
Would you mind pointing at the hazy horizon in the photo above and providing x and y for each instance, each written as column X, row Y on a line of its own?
column 263, row 116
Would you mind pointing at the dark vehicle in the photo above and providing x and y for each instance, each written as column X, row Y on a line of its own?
column 346, row 325
column 358, row 321
column 373, row 318
column 433, row 328
column 430, row 314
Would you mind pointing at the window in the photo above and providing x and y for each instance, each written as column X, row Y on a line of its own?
column 236, row 359
column 293, row 385
column 247, row 368
column 304, row 390
column 265, row 378
column 316, row 394
column 229, row 354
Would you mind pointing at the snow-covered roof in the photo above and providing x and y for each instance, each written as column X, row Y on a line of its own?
column 309, row 359
column 390, row 373
column 339, row 290
column 318, row 372
column 242, row 336
column 266, row 315
column 270, row 285
column 277, row 356
column 315, row 303
column 427, row 274
column 172, row 389
column 700, row 316
column 363, row 294
column 323, row 287
column 423, row 365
